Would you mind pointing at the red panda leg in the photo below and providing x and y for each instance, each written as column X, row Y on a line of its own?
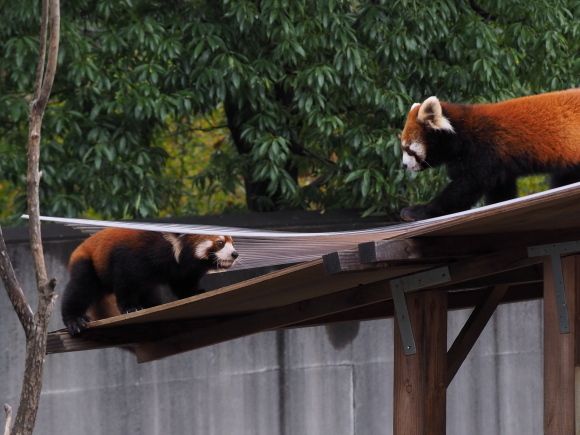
column 79, row 294
column 128, row 292
column 502, row 192
column 127, row 276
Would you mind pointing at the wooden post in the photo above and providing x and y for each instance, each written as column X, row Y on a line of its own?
column 561, row 352
column 420, row 379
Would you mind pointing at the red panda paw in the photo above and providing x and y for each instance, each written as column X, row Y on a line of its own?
column 78, row 325
column 415, row 213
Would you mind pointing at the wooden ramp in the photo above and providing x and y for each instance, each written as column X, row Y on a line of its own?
column 417, row 271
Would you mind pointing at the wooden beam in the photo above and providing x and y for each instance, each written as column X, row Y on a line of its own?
column 345, row 261
column 448, row 247
column 561, row 351
column 473, row 328
column 457, row 300
column 491, row 264
column 419, row 379
column 524, row 275
column 413, row 249
column 487, row 265
column 264, row 321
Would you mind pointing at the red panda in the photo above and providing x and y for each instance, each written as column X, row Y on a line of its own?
column 486, row 147
column 118, row 271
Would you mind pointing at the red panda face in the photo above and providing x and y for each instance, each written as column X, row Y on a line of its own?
column 413, row 142
column 219, row 249
column 421, row 119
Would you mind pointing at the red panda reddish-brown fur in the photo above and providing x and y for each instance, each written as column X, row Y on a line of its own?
column 117, row 271
column 486, row 147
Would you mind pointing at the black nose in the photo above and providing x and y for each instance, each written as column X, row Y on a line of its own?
column 235, row 254
column 404, row 166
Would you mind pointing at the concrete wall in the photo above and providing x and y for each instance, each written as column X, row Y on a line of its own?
column 323, row 380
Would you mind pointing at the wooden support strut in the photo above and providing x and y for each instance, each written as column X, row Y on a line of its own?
column 555, row 250
column 409, row 283
column 419, row 402
column 561, row 352
column 453, row 273
column 473, row 329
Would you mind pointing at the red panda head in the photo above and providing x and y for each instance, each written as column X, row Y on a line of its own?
column 219, row 250
column 422, row 118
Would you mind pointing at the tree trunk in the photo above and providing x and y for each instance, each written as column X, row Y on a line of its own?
column 35, row 325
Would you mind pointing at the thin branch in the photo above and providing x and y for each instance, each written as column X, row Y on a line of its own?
column 42, row 48
column 53, row 44
column 8, row 410
column 15, row 293
column 37, row 106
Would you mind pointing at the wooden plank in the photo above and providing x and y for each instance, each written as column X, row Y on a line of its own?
column 100, row 338
column 263, row 321
column 419, row 380
column 276, row 289
column 473, row 328
column 560, row 351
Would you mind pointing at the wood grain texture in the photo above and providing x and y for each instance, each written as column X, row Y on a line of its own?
column 560, row 351
column 264, row 321
column 420, row 379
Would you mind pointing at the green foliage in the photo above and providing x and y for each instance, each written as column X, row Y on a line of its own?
column 314, row 94
column 532, row 184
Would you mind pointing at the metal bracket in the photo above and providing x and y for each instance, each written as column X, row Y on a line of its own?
column 399, row 287
column 555, row 250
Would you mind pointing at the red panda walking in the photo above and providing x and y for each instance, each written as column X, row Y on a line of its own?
column 486, row 147
column 132, row 266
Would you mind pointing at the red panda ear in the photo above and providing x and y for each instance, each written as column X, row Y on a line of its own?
column 431, row 114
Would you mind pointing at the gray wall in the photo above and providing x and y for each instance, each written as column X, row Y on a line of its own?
column 323, row 380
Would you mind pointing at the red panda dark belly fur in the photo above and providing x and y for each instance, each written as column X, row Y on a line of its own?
column 490, row 145
column 117, row 271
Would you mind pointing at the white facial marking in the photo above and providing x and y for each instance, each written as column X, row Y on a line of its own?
column 201, row 250
column 412, row 162
column 419, row 149
column 225, row 254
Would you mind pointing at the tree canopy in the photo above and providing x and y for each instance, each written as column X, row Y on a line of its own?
column 302, row 100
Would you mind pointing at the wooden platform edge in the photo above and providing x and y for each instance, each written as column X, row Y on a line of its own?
column 264, row 321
